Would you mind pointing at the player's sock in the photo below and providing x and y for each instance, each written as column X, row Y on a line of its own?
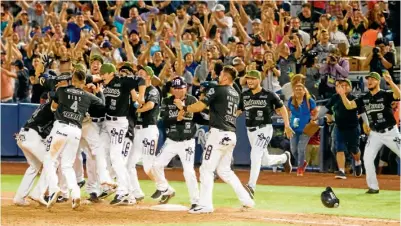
column 342, row 170
column 357, row 163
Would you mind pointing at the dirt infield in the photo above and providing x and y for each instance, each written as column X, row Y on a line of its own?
column 387, row 182
column 102, row 214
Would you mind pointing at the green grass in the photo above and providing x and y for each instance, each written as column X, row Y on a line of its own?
column 292, row 199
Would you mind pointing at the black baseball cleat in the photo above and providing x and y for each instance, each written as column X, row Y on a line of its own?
column 139, row 199
column 372, row 191
column 81, row 184
column 61, row 199
column 157, row 194
column 46, row 198
column 193, row 206
column 93, row 198
column 53, row 199
column 287, row 164
column 166, row 197
column 340, row 175
column 119, row 199
column 106, row 193
column 358, row 171
column 250, row 190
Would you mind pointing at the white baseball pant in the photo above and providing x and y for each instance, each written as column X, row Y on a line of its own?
column 145, row 145
column 391, row 138
column 114, row 132
column 217, row 155
column 127, row 147
column 186, row 151
column 259, row 138
column 79, row 165
column 64, row 140
column 92, row 182
column 34, row 149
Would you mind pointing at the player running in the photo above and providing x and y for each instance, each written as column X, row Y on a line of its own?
column 259, row 106
column 223, row 101
column 70, row 105
column 180, row 131
column 382, row 125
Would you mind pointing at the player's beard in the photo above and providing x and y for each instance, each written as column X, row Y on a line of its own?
column 373, row 88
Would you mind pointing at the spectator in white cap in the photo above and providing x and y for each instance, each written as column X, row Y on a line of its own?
column 223, row 22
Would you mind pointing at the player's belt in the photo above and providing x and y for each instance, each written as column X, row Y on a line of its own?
column 383, row 130
column 111, row 118
column 97, row 119
column 180, row 139
column 253, row 129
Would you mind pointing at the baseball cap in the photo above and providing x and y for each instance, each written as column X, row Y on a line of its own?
column 18, row 63
column 374, row 75
column 107, row 68
column 256, row 21
column 128, row 66
column 286, row 6
column 79, row 67
column 105, row 44
column 347, row 81
column 96, row 57
column 178, row 83
column 148, row 70
column 236, row 61
column 219, row 7
column 253, row 74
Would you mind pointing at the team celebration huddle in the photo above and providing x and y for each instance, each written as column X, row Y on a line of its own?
column 106, row 73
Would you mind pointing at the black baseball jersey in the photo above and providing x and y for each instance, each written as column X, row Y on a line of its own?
column 150, row 117
column 378, row 108
column 73, row 103
column 178, row 130
column 118, row 92
column 345, row 119
column 41, row 120
column 49, row 82
column 259, row 107
column 223, row 104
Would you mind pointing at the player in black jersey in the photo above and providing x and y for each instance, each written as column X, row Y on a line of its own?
column 70, row 105
column 180, row 131
column 31, row 140
column 223, row 103
column 119, row 92
column 146, row 133
column 382, row 127
column 259, row 106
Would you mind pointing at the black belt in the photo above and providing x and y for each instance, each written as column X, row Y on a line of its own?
column 253, row 129
column 180, row 139
column 98, row 119
column 383, row 130
column 26, row 129
column 111, row 118
column 141, row 126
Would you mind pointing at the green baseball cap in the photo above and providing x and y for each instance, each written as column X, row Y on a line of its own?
column 107, row 68
column 347, row 81
column 253, row 74
column 148, row 70
column 79, row 67
column 96, row 57
column 374, row 75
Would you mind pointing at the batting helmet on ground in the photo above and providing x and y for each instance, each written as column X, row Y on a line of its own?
column 329, row 199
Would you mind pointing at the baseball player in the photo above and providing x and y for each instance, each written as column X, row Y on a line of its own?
column 180, row 130
column 31, row 141
column 117, row 93
column 146, row 133
column 223, row 103
column 382, row 125
column 347, row 131
column 259, row 106
column 70, row 105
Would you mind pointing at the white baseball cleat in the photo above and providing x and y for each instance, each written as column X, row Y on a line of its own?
column 200, row 210
column 53, row 199
column 21, row 202
column 40, row 200
column 76, row 203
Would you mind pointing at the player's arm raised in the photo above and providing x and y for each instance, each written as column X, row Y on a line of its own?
column 349, row 105
column 393, row 86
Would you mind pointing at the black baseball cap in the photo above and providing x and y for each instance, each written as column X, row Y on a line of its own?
column 178, row 83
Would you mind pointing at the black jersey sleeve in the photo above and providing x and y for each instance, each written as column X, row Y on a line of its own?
column 211, row 95
column 96, row 101
column 277, row 102
column 164, row 109
column 154, row 96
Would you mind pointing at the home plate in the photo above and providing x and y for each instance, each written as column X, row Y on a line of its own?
column 169, row 207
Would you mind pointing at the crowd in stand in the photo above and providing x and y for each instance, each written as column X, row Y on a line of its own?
column 287, row 41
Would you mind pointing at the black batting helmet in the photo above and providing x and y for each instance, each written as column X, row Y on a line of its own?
column 329, row 199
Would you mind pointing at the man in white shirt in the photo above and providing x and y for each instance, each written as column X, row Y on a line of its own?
column 224, row 23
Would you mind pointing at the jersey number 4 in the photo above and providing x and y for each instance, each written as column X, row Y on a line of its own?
column 74, row 106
